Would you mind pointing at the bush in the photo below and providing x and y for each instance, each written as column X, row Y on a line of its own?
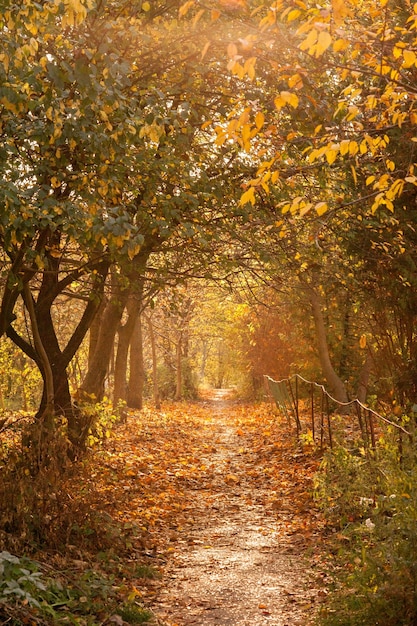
column 373, row 501
column 36, row 507
column 19, row 580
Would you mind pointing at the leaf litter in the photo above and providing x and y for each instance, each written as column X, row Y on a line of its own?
column 219, row 498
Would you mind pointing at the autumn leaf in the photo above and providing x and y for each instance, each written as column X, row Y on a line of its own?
column 248, row 197
column 324, row 40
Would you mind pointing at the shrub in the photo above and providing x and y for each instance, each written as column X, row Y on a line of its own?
column 373, row 501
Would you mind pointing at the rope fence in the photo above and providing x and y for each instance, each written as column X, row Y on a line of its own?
column 314, row 410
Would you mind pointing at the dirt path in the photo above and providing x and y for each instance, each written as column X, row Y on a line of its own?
column 242, row 560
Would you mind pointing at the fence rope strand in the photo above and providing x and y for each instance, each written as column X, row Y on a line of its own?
column 277, row 387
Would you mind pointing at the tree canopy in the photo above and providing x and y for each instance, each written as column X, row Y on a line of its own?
column 146, row 143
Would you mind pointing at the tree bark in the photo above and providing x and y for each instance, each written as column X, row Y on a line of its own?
column 92, row 388
column 156, row 397
column 125, row 333
column 337, row 386
column 178, row 387
column 94, row 382
column 48, row 356
column 95, row 331
column 137, row 370
column 48, row 377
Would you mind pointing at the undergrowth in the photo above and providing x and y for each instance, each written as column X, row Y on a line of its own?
column 370, row 500
column 28, row 594
column 63, row 558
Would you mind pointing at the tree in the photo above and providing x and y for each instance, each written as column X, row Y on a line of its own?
column 59, row 223
column 89, row 159
column 339, row 142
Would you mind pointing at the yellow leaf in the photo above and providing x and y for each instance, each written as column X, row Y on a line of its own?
column 340, row 10
column 183, row 10
column 309, row 41
column 321, row 208
column 398, row 50
column 344, row 147
column 292, row 15
column 323, row 42
column 132, row 252
column 198, row 17
column 331, row 156
column 259, row 120
column 363, row 147
column 305, row 208
column 248, row 196
column 293, row 100
column 220, row 139
column 353, row 148
column 286, row 97
column 362, row 342
column 204, row 51
column 9, row 106
column 246, row 132
column 295, row 81
column 279, row 102
column 409, row 58
column 249, row 67
column 340, row 44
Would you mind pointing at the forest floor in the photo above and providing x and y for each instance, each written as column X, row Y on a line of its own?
column 222, row 495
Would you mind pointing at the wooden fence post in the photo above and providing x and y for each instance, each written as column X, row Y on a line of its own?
column 295, row 404
column 372, row 430
column 329, row 426
column 312, row 403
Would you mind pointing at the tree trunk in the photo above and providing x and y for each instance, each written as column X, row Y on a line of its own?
column 48, row 377
column 156, row 397
column 92, row 388
column 95, row 331
column 93, row 384
column 204, row 357
column 178, row 387
column 120, row 366
column 125, row 335
column 137, row 370
column 337, row 387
